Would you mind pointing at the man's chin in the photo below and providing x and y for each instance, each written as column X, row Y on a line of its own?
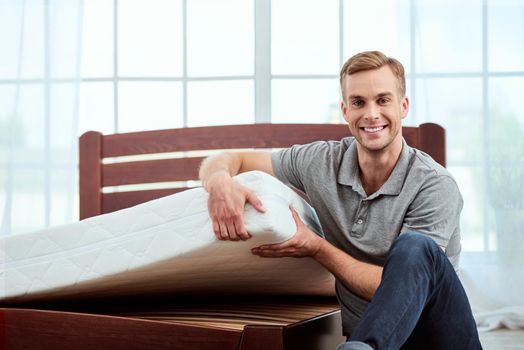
column 376, row 146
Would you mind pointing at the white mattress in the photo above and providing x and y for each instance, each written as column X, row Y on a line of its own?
column 163, row 246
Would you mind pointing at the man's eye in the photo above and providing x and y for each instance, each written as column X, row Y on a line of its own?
column 358, row 103
column 383, row 100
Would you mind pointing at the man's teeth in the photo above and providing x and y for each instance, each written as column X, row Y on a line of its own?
column 378, row 128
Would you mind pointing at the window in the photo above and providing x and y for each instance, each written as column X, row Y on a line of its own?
column 149, row 64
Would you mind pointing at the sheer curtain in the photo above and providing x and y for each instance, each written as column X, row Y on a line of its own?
column 471, row 82
column 465, row 71
column 192, row 62
column 40, row 42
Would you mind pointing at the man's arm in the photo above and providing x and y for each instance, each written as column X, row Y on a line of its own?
column 226, row 204
column 362, row 278
column 227, row 198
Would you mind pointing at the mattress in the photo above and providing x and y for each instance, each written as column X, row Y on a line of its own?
column 164, row 246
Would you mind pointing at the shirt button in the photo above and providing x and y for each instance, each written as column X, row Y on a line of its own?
column 360, row 221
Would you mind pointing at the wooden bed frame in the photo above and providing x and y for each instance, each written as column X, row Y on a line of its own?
column 261, row 322
column 95, row 148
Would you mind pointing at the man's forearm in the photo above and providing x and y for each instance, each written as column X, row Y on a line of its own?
column 232, row 163
column 362, row 278
column 227, row 163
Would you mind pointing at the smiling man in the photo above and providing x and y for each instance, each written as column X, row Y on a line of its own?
column 390, row 214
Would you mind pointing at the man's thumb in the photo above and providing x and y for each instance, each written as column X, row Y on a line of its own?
column 255, row 202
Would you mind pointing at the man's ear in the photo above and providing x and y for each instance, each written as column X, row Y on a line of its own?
column 404, row 106
column 344, row 110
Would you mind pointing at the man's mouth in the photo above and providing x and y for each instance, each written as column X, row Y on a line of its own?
column 375, row 129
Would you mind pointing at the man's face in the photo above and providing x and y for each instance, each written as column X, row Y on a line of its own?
column 373, row 107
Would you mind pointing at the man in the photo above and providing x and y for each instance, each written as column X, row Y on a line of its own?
column 390, row 214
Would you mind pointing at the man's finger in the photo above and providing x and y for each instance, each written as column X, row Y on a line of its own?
column 296, row 217
column 216, row 228
column 241, row 230
column 276, row 246
column 232, row 231
column 252, row 198
column 275, row 253
column 224, row 234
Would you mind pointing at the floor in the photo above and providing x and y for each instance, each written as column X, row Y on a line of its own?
column 502, row 339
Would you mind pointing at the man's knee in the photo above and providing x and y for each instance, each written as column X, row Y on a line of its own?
column 414, row 241
column 414, row 247
column 354, row 345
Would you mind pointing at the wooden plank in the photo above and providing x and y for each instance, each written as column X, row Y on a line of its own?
column 220, row 137
column 120, row 200
column 2, row 329
column 411, row 136
column 433, row 141
column 236, row 314
column 257, row 337
column 56, row 330
column 90, row 167
column 227, row 137
column 150, row 171
column 321, row 332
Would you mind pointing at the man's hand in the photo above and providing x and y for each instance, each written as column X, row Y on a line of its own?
column 304, row 243
column 226, row 202
column 362, row 278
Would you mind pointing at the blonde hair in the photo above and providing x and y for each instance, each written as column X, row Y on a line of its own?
column 369, row 60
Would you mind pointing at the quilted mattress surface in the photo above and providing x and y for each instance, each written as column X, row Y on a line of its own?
column 163, row 246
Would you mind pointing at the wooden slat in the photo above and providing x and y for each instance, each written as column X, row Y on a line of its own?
column 433, row 142
column 90, row 174
column 227, row 137
column 150, row 171
column 120, row 200
column 220, row 137
column 411, row 136
column 262, row 338
column 239, row 314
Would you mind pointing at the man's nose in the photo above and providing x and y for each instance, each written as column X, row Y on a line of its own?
column 372, row 111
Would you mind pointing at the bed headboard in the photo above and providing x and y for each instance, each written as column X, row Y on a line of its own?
column 107, row 163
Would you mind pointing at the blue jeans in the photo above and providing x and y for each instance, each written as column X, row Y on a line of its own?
column 420, row 303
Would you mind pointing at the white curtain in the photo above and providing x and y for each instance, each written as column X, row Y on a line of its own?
column 465, row 64
column 471, row 82
column 494, row 279
column 40, row 41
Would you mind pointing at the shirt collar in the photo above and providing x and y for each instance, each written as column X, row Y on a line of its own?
column 348, row 173
column 348, row 170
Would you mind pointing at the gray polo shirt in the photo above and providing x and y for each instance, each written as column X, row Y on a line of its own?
column 420, row 195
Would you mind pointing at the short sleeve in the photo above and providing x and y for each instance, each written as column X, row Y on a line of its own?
column 295, row 165
column 435, row 210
